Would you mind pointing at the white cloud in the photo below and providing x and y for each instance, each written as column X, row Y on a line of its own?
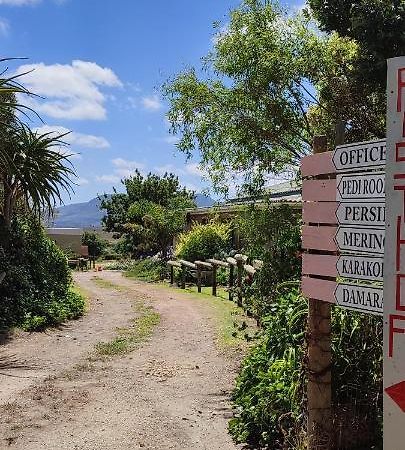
column 19, row 2
column 4, row 27
column 125, row 168
column 193, row 169
column 167, row 168
column 171, row 139
column 151, row 103
column 27, row 2
column 71, row 91
column 82, row 181
column 78, row 139
column 108, row 179
column 122, row 169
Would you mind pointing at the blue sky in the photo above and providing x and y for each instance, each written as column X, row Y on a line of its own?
column 99, row 65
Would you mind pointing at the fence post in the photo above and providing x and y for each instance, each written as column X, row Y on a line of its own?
column 198, row 277
column 231, row 277
column 183, row 276
column 239, row 260
column 214, row 280
column 171, row 275
column 319, row 390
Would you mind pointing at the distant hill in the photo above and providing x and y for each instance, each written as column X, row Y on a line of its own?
column 89, row 215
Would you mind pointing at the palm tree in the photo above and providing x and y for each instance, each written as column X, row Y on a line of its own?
column 33, row 171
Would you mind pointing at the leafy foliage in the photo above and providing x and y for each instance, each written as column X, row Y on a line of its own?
column 269, row 393
column 271, row 233
column 147, row 269
column 94, row 242
column 250, row 114
column 149, row 215
column 204, row 241
column 36, row 174
column 36, row 291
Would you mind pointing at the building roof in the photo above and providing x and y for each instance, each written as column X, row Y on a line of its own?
column 288, row 192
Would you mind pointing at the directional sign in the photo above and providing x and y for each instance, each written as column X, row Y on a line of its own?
column 360, row 240
column 360, row 186
column 361, row 267
column 361, row 214
column 359, row 155
column 360, row 298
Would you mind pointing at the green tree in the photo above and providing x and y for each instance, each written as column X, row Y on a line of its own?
column 376, row 26
column 150, row 213
column 250, row 113
column 94, row 242
column 37, row 174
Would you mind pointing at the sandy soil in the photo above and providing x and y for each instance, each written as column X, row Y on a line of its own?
column 170, row 393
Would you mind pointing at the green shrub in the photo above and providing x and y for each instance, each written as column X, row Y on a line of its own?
column 202, row 242
column 270, row 396
column 36, row 290
column 148, row 269
column 271, row 233
column 269, row 386
column 94, row 242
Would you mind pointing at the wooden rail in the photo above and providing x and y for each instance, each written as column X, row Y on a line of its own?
column 238, row 263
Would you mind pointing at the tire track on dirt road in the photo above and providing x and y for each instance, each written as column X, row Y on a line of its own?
column 170, row 393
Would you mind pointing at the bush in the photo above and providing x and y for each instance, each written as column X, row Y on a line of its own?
column 271, row 233
column 202, row 242
column 148, row 269
column 36, row 290
column 94, row 242
column 269, row 393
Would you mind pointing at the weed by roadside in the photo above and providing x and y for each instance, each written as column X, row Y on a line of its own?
column 106, row 284
column 129, row 338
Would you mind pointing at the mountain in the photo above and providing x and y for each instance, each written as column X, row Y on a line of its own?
column 203, row 201
column 79, row 215
column 88, row 214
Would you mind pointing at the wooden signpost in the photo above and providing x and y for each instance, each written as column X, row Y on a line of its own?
column 343, row 238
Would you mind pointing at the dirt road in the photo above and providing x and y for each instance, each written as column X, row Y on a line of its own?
column 61, row 390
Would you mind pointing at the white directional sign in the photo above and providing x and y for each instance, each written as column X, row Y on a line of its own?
column 360, row 240
column 361, row 267
column 360, row 155
column 360, row 298
column 360, row 186
column 361, row 214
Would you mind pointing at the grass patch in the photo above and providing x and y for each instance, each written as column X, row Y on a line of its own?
column 235, row 331
column 83, row 293
column 128, row 339
column 106, row 284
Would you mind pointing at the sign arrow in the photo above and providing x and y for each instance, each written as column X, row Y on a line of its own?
column 361, row 214
column 361, row 186
column 360, row 155
column 397, row 393
column 360, row 240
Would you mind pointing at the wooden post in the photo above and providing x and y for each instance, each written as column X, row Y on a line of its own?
column 183, row 276
column 198, row 277
column 231, row 277
column 214, row 280
column 171, row 275
column 239, row 260
column 319, row 391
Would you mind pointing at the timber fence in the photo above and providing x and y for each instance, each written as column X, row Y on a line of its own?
column 237, row 267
